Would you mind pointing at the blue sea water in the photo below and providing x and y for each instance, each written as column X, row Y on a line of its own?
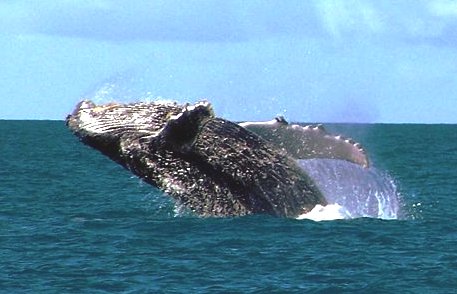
column 72, row 221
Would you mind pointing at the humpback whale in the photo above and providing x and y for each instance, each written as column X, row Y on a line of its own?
column 213, row 166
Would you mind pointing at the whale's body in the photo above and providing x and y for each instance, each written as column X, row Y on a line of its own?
column 212, row 166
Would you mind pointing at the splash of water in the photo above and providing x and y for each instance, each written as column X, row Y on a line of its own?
column 328, row 212
column 352, row 191
column 120, row 87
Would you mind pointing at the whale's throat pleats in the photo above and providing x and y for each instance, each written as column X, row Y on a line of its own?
column 271, row 181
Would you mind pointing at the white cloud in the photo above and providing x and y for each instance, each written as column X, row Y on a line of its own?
column 433, row 22
column 343, row 18
column 444, row 8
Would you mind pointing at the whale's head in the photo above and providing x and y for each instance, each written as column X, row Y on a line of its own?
column 108, row 127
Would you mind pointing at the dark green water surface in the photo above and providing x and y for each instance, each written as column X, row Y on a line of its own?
column 72, row 221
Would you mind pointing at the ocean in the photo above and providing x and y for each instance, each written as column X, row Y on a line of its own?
column 72, row 221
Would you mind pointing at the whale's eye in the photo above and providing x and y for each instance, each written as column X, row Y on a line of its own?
column 281, row 119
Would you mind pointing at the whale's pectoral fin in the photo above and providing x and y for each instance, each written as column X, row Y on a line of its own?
column 318, row 143
column 308, row 141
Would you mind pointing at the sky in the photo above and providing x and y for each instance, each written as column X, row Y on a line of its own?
column 373, row 61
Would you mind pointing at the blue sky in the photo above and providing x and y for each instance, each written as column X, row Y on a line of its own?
column 321, row 61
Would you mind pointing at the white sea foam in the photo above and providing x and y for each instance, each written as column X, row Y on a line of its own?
column 325, row 213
